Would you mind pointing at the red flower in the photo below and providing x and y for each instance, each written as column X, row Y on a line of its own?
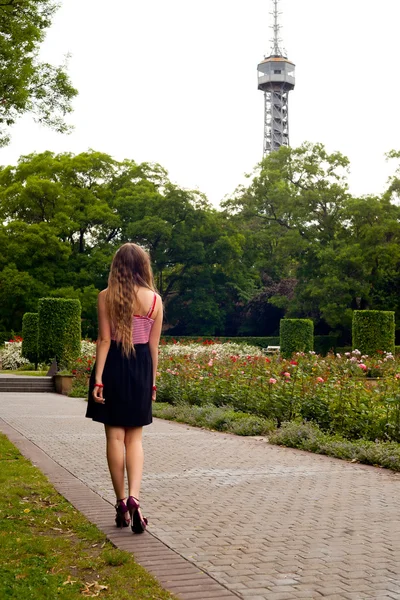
column 267, row 360
column 293, row 362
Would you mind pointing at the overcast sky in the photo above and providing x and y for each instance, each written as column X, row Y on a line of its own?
column 176, row 83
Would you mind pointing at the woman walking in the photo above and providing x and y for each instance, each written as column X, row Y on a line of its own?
column 123, row 381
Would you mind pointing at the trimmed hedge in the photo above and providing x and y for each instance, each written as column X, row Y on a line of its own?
column 374, row 331
column 261, row 342
column 325, row 343
column 29, row 348
column 322, row 343
column 297, row 335
column 59, row 331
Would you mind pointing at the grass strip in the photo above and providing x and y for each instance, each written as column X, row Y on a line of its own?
column 49, row 550
column 213, row 417
column 23, row 373
column 304, row 436
column 307, row 436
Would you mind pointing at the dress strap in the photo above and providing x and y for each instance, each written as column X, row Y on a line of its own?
column 152, row 306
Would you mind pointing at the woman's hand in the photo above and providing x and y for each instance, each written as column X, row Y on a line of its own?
column 98, row 393
column 154, row 393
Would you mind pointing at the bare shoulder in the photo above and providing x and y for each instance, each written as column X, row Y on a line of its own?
column 101, row 298
column 146, row 299
column 158, row 306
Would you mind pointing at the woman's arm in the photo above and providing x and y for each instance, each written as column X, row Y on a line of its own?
column 154, row 339
column 102, row 345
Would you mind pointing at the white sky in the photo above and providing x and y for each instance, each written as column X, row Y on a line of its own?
column 176, row 82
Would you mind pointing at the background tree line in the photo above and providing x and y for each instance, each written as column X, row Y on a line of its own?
column 292, row 242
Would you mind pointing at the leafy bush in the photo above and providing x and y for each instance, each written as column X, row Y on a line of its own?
column 30, row 337
column 324, row 344
column 374, row 331
column 310, row 437
column 296, row 335
column 59, row 331
column 11, row 358
column 216, row 418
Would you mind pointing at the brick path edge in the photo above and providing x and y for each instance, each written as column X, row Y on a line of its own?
column 174, row 572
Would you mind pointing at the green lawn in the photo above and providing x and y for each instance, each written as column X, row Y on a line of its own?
column 30, row 373
column 50, row 551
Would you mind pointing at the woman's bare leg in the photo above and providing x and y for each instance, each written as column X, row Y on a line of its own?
column 134, row 459
column 115, row 458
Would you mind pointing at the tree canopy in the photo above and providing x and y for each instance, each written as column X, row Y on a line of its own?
column 292, row 242
column 28, row 85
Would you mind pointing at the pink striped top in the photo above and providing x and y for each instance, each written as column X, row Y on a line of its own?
column 142, row 326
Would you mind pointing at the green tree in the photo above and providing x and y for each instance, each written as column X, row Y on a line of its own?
column 65, row 215
column 26, row 84
column 292, row 213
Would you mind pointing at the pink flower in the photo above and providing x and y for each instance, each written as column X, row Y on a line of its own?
column 363, row 367
column 287, row 375
column 210, row 363
column 272, row 380
column 214, row 352
column 397, row 376
column 320, row 380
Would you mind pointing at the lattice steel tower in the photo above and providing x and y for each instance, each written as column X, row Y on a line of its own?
column 276, row 79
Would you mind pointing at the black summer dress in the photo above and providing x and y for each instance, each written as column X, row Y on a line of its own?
column 127, row 380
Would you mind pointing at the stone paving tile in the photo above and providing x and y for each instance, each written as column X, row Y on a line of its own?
column 178, row 575
column 247, row 513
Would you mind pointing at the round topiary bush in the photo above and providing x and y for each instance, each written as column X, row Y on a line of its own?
column 59, row 330
column 296, row 335
column 30, row 337
column 374, row 331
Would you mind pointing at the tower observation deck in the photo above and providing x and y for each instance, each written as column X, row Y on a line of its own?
column 276, row 78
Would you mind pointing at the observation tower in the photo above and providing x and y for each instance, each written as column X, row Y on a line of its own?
column 276, row 78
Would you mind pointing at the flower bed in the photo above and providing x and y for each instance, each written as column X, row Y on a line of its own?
column 11, row 357
column 334, row 392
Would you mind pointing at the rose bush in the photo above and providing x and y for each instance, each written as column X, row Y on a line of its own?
column 334, row 392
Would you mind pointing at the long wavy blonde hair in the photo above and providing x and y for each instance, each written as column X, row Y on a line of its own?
column 130, row 269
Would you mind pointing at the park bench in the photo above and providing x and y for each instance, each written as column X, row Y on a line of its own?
column 272, row 350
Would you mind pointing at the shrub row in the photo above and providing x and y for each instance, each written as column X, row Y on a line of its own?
column 307, row 436
column 304, row 436
column 212, row 417
column 322, row 343
column 373, row 332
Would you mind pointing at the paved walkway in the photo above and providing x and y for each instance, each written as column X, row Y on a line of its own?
column 269, row 523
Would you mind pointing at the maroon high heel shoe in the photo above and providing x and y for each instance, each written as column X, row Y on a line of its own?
column 138, row 523
column 122, row 518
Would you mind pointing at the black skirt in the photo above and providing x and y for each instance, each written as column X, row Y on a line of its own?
column 128, row 383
